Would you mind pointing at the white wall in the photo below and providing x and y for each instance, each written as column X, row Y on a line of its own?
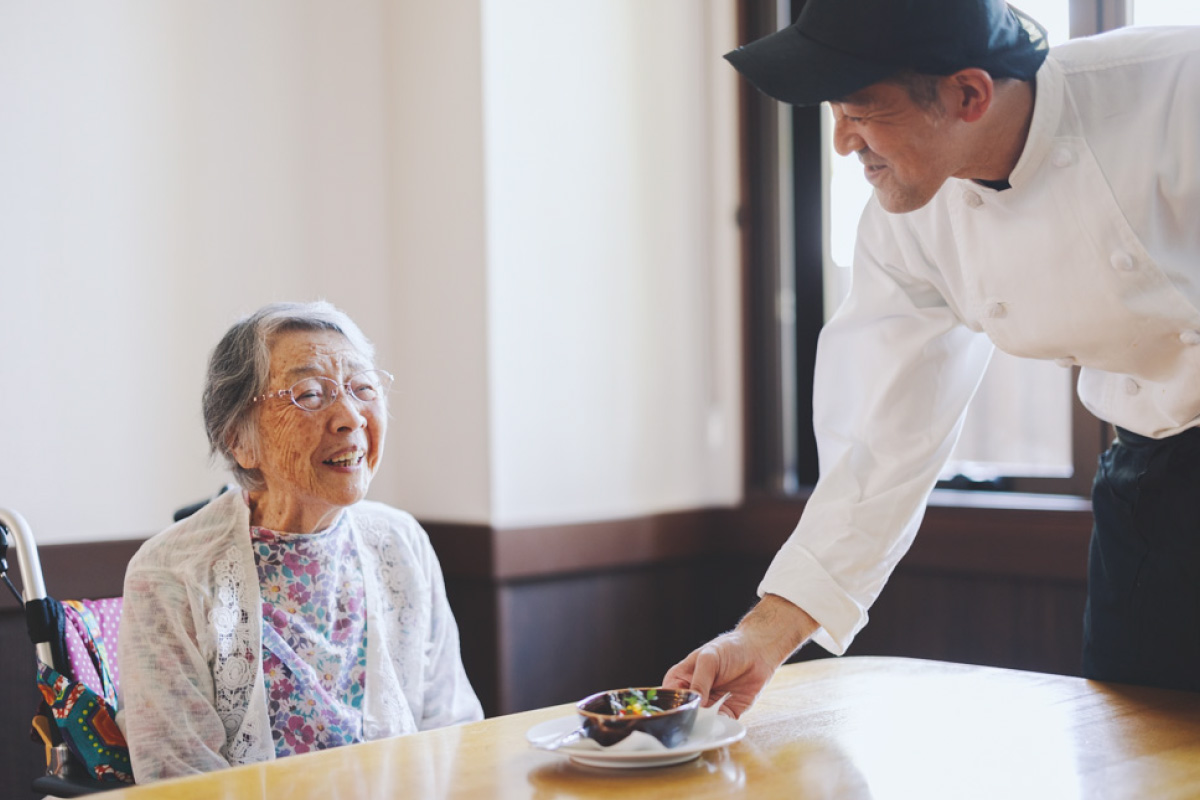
column 612, row 251
column 438, row 464
column 168, row 167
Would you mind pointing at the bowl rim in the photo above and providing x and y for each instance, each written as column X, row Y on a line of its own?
column 692, row 701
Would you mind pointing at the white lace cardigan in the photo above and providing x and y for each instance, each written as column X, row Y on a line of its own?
column 190, row 644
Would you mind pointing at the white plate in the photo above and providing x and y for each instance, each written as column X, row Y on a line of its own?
column 723, row 732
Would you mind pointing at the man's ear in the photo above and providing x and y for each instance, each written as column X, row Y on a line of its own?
column 973, row 93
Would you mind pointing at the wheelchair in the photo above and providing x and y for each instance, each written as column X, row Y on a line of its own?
column 76, row 646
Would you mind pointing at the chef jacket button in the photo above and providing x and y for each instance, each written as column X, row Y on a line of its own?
column 1190, row 337
column 995, row 310
column 972, row 199
column 1065, row 361
column 1122, row 261
column 1131, row 386
column 1062, row 157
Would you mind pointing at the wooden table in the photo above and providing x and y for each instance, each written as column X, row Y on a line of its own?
column 835, row 728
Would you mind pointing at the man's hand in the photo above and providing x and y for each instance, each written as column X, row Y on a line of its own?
column 744, row 659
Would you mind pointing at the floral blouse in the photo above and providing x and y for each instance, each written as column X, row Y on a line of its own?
column 314, row 636
column 194, row 694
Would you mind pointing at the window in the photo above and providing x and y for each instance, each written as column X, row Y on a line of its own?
column 1027, row 431
column 1164, row 12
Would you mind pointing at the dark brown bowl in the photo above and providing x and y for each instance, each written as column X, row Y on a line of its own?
column 671, row 726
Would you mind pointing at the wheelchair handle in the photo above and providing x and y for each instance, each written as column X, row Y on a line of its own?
column 33, row 586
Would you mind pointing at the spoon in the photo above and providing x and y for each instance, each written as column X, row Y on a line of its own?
column 570, row 737
column 715, row 707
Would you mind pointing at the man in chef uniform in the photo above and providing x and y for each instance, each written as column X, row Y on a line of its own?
column 1046, row 202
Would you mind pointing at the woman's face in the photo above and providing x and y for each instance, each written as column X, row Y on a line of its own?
column 314, row 463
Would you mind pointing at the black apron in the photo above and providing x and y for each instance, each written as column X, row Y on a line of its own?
column 1142, row 621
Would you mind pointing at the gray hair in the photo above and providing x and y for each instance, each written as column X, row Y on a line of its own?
column 240, row 367
column 922, row 89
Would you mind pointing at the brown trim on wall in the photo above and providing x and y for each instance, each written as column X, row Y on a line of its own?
column 992, row 534
column 639, row 541
column 479, row 551
column 1011, row 542
column 81, row 570
column 983, row 533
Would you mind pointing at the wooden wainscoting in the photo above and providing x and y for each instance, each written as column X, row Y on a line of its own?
column 551, row 614
column 548, row 614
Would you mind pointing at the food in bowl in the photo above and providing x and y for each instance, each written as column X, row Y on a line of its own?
column 666, row 714
column 634, row 702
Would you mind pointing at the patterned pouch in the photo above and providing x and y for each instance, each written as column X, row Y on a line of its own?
column 87, row 724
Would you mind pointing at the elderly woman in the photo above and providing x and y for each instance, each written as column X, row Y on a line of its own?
column 292, row 615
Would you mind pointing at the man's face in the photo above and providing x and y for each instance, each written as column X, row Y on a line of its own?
column 906, row 149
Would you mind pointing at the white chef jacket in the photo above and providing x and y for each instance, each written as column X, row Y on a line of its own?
column 193, row 697
column 1091, row 258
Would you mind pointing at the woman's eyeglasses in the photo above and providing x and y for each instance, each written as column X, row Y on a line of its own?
column 316, row 393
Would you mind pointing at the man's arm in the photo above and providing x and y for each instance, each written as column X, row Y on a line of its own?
column 744, row 659
column 895, row 370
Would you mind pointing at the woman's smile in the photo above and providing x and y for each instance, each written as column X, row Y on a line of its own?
column 348, row 460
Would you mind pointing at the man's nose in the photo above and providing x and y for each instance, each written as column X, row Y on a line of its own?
column 846, row 139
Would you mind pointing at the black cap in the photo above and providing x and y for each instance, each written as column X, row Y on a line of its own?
column 837, row 47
